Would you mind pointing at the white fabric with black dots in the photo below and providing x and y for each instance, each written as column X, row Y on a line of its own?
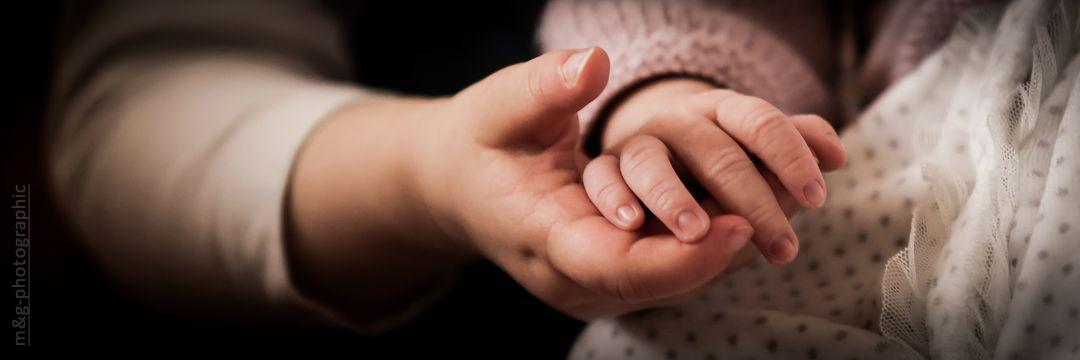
column 953, row 232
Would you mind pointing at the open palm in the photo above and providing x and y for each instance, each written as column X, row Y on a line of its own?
column 522, row 204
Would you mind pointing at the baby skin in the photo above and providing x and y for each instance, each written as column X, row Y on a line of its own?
column 754, row 161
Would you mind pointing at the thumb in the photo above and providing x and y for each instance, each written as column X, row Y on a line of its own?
column 535, row 102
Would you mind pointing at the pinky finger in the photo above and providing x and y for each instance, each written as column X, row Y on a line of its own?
column 609, row 193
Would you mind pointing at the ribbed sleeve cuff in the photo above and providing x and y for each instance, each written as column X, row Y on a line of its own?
column 647, row 39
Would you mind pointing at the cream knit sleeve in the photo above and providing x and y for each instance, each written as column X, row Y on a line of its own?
column 174, row 126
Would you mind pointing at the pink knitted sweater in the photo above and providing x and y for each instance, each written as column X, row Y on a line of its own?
column 787, row 52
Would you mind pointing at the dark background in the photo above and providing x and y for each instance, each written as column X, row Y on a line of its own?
column 425, row 48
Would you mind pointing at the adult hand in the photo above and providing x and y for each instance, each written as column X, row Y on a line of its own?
column 501, row 171
column 390, row 195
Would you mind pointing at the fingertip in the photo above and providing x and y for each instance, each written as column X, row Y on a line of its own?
column 841, row 157
column 837, row 157
column 691, row 225
column 814, row 191
column 593, row 73
column 822, row 139
column 628, row 217
column 783, row 249
column 610, row 194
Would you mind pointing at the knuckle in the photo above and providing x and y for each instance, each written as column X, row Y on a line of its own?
column 633, row 159
column 789, row 163
column 608, row 193
column 725, row 165
column 639, row 152
column 665, row 197
column 760, row 214
column 762, row 121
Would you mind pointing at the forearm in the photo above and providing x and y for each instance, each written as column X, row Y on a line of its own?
column 362, row 238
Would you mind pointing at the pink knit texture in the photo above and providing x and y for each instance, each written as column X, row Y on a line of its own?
column 776, row 50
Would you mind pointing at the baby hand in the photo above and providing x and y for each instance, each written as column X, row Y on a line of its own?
column 715, row 135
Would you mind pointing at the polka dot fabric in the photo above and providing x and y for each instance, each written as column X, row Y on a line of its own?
column 951, row 233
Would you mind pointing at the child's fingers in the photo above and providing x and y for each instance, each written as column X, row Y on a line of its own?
column 724, row 169
column 646, row 167
column 744, row 256
column 766, row 132
column 610, row 194
column 783, row 198
column 822, row 139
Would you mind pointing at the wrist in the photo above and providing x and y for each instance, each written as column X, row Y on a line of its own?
column 360, row 237
column 422, row 176
column 646, row 102
column 433, row 173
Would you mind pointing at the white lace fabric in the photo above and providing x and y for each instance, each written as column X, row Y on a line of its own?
column 988, row 272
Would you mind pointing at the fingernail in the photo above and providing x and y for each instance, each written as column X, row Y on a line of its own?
column 782, row 249
column 815, row 193
column 574, row 65
column 689, row 225
column 626, row 214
